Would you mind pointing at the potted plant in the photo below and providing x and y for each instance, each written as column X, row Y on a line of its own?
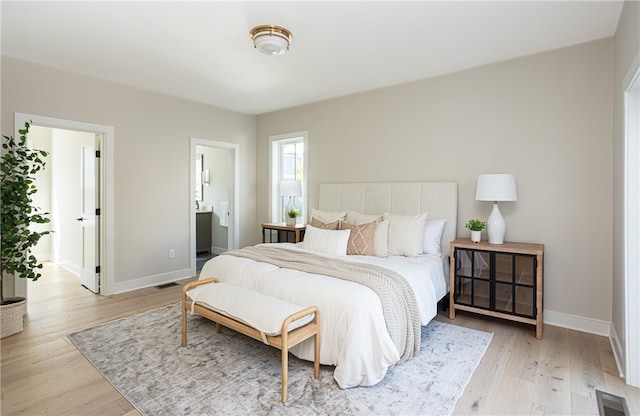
column 17, row 185
column 476, row 227
column 292, row 216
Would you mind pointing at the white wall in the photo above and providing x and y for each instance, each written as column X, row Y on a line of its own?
column 546, row 118
column 152, row 200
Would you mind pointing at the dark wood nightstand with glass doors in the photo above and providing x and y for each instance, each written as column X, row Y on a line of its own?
column 503, row 281
column 280, row 232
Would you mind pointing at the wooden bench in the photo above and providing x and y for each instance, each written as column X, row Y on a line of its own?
column 284, row 339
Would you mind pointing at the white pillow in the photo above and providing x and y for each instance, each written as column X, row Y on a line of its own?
column 433, row 236
column 380, row 244
column 328, row 216
column 358, row 218
column 333, row 242
column 406, row 234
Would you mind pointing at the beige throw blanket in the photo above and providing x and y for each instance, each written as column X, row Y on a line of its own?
column 398, row 301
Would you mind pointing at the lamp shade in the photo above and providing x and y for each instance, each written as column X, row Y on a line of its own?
column 496, row 187
column 290, row 188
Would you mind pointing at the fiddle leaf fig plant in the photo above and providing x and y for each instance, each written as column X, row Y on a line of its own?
column 475, row 225
column 17, row 185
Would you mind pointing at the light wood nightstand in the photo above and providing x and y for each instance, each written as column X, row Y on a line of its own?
column 503, row 281
column 282, row 233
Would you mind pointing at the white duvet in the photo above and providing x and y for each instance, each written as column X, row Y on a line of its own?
column 353, row 335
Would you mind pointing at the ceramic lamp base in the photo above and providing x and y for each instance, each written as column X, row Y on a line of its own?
column 496, row 226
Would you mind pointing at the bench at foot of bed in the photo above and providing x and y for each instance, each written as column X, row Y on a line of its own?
column 273, row 321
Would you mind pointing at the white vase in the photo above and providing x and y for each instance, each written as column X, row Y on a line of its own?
column 476, row 236
column 290, row 221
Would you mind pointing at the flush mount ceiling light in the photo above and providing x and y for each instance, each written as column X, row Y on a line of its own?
column 271, row 39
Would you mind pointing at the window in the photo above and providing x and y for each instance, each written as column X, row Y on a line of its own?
column 287, row 163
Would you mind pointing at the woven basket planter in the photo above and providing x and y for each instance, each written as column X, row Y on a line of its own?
column 12, row 316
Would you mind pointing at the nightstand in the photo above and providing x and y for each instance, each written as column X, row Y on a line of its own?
column 282, row 233
column 503, row 281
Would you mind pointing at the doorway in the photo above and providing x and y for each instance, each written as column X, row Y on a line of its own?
column 93, row 210
column 213, row 200
column 68, row 189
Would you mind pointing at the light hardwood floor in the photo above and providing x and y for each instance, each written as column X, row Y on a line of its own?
column 44, row 374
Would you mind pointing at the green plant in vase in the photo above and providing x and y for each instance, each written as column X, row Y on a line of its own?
column 476, row 227
column 293, row 213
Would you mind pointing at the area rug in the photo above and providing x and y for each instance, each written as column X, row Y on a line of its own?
column 230, row 374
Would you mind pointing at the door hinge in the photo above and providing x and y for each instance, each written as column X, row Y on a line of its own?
column 97, row 153
column 97, row 269
column 98, row 211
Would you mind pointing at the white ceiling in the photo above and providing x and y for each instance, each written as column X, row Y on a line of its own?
column 201, row 50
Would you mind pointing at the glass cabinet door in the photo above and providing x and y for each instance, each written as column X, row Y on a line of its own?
column 473, row 286
column 503, row 282
column 525, row 286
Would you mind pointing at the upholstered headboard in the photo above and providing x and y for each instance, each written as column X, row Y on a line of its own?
column 439, row 199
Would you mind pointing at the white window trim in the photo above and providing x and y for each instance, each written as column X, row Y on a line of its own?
column 274, row 142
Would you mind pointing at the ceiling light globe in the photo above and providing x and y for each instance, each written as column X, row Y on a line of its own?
column 271, row 45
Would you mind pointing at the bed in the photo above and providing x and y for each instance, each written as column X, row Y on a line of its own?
column 363, row 332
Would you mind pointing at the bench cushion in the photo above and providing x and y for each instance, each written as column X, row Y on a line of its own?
column 262, row 312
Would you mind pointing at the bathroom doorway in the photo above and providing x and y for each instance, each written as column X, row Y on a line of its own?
column 214, row 184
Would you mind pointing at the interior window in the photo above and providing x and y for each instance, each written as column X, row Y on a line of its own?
column 287, row 164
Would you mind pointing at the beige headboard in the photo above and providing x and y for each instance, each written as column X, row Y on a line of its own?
column 439, row 199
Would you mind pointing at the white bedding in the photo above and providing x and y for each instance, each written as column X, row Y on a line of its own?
column 352, row 328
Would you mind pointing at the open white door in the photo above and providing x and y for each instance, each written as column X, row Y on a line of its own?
column 90, row 215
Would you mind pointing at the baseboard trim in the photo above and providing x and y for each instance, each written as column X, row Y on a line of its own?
column 70, row 267
column 578, row 323
column 149, row 281
column 618, row 351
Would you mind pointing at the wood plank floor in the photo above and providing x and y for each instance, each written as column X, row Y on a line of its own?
column 42, row 372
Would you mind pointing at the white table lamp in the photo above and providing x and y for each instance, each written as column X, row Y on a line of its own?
column 290, row 189
column 496, row 187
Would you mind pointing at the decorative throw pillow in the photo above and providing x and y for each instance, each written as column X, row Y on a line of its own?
column 357, row 218
column 432, row 236
column 324, row 226
column 361, row 239
column 406, row 234
column 328, row 216
column 333, row 242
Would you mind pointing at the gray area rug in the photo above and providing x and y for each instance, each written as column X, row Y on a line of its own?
column 231, row 374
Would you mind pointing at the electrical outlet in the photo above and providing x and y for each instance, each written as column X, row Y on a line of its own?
column 172, row 253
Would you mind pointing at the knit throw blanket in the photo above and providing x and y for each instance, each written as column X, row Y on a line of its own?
column 399, row 304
